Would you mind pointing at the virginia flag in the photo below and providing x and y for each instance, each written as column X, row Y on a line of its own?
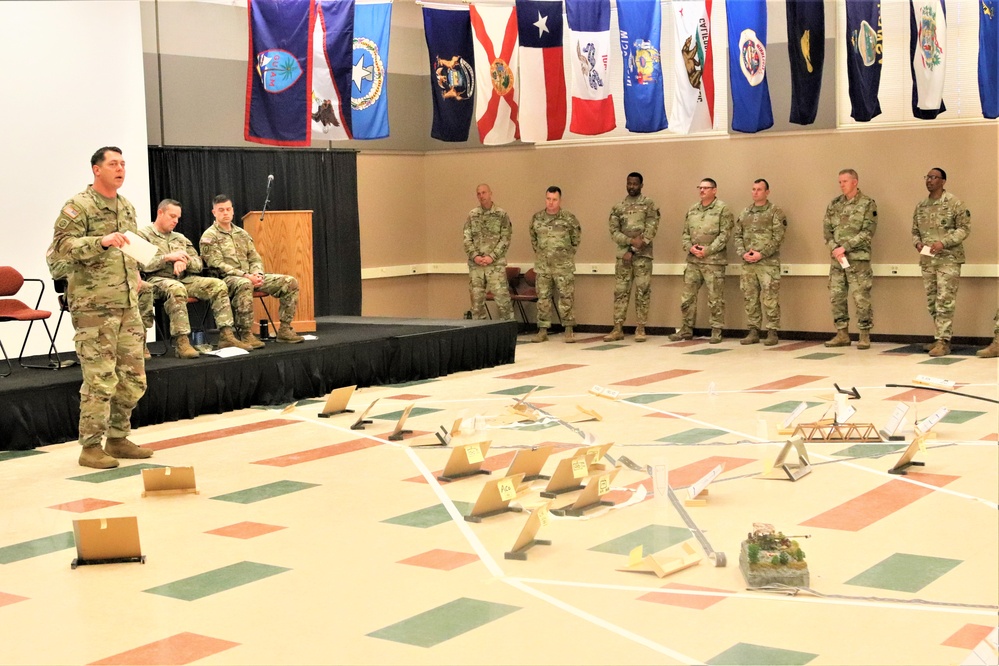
column 331, row 68
column 806, row 47
column 452, row 71
column 369, row 73
column 694, row 106
column 747, row 40
column 988, row 58
column 863, row 57
column 928, row 56
column 494, row 30
column 640, row 24
column 589, row 52
column 542, row 77
column 279, row 73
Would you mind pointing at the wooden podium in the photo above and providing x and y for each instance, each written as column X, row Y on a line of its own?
column 284, row 241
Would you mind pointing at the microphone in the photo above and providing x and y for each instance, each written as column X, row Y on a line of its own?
column 267, row 198
column 270, row 179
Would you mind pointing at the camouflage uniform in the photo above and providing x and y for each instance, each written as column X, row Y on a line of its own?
column 232, row 254
column 708, row 226
column 761, row 229
column 851, row 224
column 634, row 217
column 102, row 294
column 555, row 239
column 946, row 220
column 487, row 233
column 175, row 289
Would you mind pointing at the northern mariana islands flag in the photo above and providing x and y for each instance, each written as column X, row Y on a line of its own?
column 589, row 53
column 369, row 71
column 640, row 25
column 747, row 47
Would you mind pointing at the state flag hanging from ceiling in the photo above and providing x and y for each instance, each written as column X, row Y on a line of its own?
column 542, row 76
column 693, row 62
column 369, row 72
column 806, row 47
column 494, row 33
column 452, row 71
column 988, row 58
column 639, row 27
column 747, row 47
column 589, row 53
column 863, row 57
column 331, row 69
column 927, row 56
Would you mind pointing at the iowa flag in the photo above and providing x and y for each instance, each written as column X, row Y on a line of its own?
column 747, row 39
column 542, row 77
column 589, row 52
column 806, row 48
column 693, row 62
column 988, row 58
column 928, row 56
column 863, row 57
column 494, row 30
column 331, row 69
column 640, row 25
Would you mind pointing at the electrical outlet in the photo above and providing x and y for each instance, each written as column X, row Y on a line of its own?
column 893, row 270
column 785, row 270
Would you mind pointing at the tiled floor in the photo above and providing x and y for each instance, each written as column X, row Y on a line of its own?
column 309, row 542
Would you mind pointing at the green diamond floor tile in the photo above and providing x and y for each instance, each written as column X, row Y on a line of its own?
column 747, row 654
column 868, row 450
column 903, row 572
column 787, row 406
column 122, row 472
column 693, row 436
column 266, row 491
column 603, row 347
column 43, row 546
column 649, row 398
column 215, row 581
column 652, row 538
column 706, row 352
column 943, row 360
column 960, row 416
column 520, row 390
column 413, row 383
column 13, row 455
column 819, row 356
column 443, row 623
column 430, row 516
column 415, row 411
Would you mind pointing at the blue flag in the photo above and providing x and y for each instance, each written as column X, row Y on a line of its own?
column 452, row 71
column 806, row 47
column 369, row 75
column 988, row 58
column 863, row 57
column 747, row 47
column 279, row 73
column 640, row 24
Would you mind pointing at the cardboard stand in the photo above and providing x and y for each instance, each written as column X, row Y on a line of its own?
column 336, row 402
column 465, row 461
column 495, row 498
column 526, row 539
column 888, row 432
column 590, row 414
column 594, row 454
column 697, row 494
column 793, row 472
column 567, row 477
column 905, row 461
column 168, row 481
column 107, row 541
column 676, row 558
column 597, row 486
column 444, row 437
column 530, row 461
column 361, row 421
column 399, row 433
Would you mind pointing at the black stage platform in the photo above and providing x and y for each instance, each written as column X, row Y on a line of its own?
column 39, row 407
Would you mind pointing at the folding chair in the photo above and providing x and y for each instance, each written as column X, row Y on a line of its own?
column 270, row 320
column 525, row 291
column 12, row 309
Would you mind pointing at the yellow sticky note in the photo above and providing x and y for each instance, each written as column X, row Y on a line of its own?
column 543, row 516
column 635, row 556
column 603, row 485
column 474, row 454
column 579, row 467
column 922, row 444
column 506, row 490
column 768, row 465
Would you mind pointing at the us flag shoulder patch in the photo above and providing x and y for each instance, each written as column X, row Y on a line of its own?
column 70, row 211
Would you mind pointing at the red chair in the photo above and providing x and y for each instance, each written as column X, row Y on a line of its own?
column 512, row 278
column 525, row 291
column 12, row 309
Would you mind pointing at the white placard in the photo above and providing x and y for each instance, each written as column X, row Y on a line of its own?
column 138, row 248
column 901, row 409
column 702, row 483
column 795, row 414
column 927, row 424
column 926, row 380
column 843, row 415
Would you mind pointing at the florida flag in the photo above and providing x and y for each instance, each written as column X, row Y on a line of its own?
column 928, row 52
column 331, row 69
column 589, row 53
column 694, row 105
column 542, row 77
column 494, row 32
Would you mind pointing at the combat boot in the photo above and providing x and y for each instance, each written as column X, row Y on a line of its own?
column 752, row 337
column 120, row 447
column 716, row 336
column 182, row 347
column 640, row 333
column 569, row 336
column 249, row 338
column 941, row 348
column 771, row 338
column 682, row 333
column 94, row 456
column 541, row 335
column 992, row 351
column 841, row 339
column 864, row 340
column 287, row 334
column 929, row 345
column 227, row 338
column 615, row 335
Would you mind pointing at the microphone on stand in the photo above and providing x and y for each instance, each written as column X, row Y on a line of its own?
column 267, row 199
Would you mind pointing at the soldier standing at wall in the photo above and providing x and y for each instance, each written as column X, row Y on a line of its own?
column 555, row 236
column 992, row 351
column 758, row 234
column 633, row 224
column 487, row 237
column 940, row 224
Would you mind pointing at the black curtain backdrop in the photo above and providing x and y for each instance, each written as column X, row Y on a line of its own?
column 322, row 181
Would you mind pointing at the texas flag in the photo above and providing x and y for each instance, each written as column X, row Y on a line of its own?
column 495, row 40
column 331, row 69
column 542, row 78
column 928, row 56
column 589, row 53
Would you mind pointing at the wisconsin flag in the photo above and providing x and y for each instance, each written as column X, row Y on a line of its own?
column 331, row 68
column 806, row 47
column 928, row 56
column 863, row 57
column 589, row 52
column 452, row 71
column 369, row 72
column 693, row 62
column 988, row 58
column 640, row 25
column 542, row 77
column 747, row 39
column 495, row 42
column 279, row 73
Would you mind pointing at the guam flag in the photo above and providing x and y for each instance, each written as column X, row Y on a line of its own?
column 988, row 58
column 589, row 52
column 694, row 107
column 452, row 71
column 863, row 57
column 331, row 69
column 369, row 72
column 806, row 47
column 747, row 40
column 640, row 24
column 542, row 76
column 927, row 56
column 494, row 30
column 279, row 73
